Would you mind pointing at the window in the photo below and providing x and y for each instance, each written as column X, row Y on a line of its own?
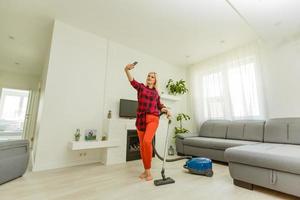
column 231, row 93
column 13, row 105
column 213, row 95
column 243, row 91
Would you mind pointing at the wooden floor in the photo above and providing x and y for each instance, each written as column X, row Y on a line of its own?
column 121, row 182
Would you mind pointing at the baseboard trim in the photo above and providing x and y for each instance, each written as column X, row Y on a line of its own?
column 63, row 165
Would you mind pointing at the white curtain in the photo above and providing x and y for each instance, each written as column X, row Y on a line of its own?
column 228, row 86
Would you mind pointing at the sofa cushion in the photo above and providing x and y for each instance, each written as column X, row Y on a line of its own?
column 214, row 128
column 281, row 157
column 282, row 130
column 251, row 130
column 214, row 143
column 186, row 135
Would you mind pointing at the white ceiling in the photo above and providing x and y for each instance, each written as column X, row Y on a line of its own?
column 275, row 21
column 180, row 32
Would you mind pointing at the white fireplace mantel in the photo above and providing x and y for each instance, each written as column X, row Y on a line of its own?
column 116, row 130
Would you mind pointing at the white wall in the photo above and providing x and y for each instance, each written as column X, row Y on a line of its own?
column 73, row 94
column 41, row 102
column 18, row 80
column 281, row 74
column 85, row 79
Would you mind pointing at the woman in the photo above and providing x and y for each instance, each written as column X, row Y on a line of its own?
column 149, row 107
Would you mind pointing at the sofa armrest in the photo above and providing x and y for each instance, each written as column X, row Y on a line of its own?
column 186, row 135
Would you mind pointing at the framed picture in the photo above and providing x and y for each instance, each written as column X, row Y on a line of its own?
column 90, row 134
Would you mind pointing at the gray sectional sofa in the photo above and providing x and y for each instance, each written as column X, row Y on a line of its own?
column 264, row 153
column 14, row 157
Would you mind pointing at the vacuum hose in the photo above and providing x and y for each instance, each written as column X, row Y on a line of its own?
column 168, row 160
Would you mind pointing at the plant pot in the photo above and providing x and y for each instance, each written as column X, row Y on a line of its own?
column 104, row 138
column 77, row 138
column 90, row 137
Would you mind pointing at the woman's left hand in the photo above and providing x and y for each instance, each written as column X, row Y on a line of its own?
column 169, row 115
column 167, row 112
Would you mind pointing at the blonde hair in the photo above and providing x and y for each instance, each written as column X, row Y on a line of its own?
column 156, row 82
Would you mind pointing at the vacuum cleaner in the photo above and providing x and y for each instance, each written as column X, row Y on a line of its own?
column 196, row 165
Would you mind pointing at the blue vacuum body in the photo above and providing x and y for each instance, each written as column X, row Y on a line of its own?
column 200, row 166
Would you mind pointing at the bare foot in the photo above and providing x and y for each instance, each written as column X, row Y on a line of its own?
column 143, row 175
column 148, row 175
column 149, row 178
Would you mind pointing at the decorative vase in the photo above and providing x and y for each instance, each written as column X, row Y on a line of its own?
column 171, row 151
column 77, row 138
column 109, row 114
column 104, row 138
column 77, row 135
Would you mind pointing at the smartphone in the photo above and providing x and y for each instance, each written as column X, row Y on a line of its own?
column 135, row 62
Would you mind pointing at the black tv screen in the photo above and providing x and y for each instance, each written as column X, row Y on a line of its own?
column 128, row 108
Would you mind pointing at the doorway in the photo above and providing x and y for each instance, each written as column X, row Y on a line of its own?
column 13, row 113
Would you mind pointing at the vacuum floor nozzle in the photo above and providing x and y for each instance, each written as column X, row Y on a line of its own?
column 164, row 181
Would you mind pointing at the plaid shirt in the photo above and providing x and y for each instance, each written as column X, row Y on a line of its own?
column 148, row 103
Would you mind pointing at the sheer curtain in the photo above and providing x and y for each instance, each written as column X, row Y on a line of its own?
column 228, row 86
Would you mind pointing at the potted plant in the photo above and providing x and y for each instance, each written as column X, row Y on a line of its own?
column 77, row 135
column 180, row 117
column 90, row 134
column 178, row 87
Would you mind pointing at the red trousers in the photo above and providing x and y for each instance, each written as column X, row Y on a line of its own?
column 145, row 138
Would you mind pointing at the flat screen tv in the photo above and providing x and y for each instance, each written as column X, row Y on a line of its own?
column 128, row 108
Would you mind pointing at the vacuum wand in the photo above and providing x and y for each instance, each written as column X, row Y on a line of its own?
column 164, row 180
column 165, row 151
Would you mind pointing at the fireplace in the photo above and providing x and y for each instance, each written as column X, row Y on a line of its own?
column 133, row 146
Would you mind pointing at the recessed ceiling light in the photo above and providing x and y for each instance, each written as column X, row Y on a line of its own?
column 277, row 24
column 11, row 37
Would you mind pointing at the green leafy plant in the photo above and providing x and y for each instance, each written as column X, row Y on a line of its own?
column 178, row 87
column 180, row 117
column 77, row 135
